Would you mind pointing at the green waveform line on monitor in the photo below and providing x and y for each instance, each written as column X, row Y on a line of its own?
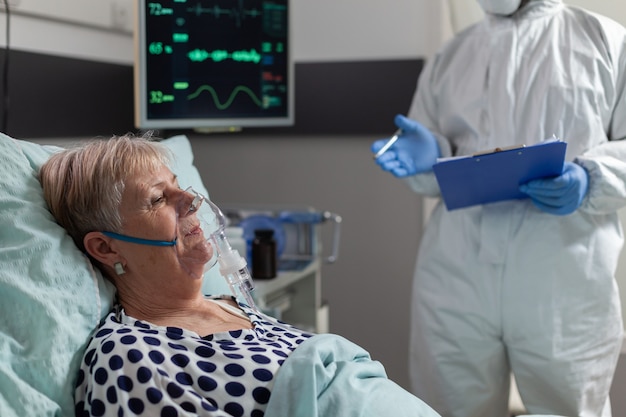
column 231, row 98
column 238, row 13
column 200, row 55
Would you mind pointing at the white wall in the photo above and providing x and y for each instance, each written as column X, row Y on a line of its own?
column 95, row 30
column 359, row 29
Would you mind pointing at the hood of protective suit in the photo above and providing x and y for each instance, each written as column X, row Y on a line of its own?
column 509, row 7
column 500, row 7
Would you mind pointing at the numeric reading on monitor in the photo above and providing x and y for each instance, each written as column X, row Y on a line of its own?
column 213, row 63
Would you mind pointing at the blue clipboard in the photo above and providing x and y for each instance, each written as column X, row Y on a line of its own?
column 496, row 175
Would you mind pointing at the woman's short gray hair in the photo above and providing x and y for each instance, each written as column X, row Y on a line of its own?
column 83, row 185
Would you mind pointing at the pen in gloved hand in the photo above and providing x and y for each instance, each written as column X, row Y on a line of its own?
column 387, row 145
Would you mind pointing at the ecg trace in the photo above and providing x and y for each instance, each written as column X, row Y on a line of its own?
column 238, row 13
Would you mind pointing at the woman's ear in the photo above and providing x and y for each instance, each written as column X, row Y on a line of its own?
column 99, row 247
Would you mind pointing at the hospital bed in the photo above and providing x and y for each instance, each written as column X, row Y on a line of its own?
column 51, row 300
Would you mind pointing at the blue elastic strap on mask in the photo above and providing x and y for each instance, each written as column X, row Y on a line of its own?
column 139, row 240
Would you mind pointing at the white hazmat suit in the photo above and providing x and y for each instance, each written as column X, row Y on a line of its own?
column 505, row 286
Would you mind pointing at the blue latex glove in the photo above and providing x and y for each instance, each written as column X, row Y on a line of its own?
column 559, row 195
column 414, row 152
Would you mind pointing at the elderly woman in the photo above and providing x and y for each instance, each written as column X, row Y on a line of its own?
column 166, row 349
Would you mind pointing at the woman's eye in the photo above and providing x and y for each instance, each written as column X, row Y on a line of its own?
column 157, row 200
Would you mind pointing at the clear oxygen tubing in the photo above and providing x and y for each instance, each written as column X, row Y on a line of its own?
column 233, row 267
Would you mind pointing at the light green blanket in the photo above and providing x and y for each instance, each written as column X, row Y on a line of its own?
column 330, row 376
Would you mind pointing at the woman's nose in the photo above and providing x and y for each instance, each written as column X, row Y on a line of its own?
column 190, row 201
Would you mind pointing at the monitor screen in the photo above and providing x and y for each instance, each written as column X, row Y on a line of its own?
column 213, row 64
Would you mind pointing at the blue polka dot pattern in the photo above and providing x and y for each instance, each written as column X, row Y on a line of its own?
column 135, row 368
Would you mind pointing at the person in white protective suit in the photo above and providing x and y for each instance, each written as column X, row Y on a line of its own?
column 524, row 285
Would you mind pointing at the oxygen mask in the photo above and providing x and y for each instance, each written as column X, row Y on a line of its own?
column 232, row 266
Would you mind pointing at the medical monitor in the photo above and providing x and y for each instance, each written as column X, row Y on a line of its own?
column 213, row 64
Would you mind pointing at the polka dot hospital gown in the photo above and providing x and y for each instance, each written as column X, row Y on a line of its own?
column 135, row 368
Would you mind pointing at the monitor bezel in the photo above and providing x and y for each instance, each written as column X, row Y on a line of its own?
column 202, row 124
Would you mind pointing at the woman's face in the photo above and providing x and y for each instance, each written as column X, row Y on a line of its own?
column 154, row 207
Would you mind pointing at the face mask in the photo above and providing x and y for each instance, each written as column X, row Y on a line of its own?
column 500, row 7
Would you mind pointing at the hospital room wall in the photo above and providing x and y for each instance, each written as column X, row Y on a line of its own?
column 368, row 289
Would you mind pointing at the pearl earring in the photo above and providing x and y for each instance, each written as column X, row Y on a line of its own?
column 119, row 268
